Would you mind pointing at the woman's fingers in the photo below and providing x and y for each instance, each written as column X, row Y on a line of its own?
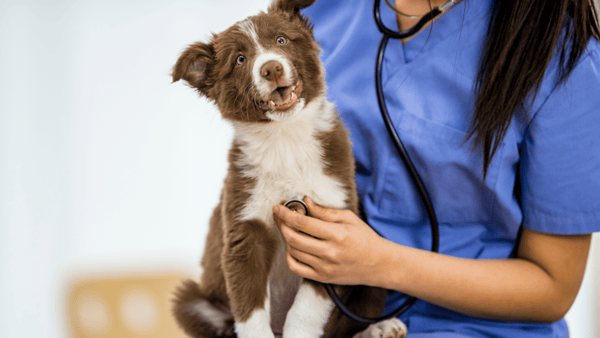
column 324, row 214
column 329, row 245
column 299, row 267
column 303, row 257
column 302, row 241
column 308, row 225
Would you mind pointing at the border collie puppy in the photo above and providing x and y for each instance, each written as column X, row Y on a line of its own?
column 265, row 76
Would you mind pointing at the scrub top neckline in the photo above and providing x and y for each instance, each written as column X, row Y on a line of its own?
column 456, row 18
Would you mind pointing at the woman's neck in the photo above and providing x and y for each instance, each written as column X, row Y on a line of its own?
column 414, row 10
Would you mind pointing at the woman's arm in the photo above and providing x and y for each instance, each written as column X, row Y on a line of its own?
column 539, row 285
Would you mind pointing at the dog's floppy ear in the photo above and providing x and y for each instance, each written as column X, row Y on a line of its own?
column 292, row 6
column 193, row 64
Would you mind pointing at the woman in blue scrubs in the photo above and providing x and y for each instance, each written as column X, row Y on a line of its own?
column 509, row 152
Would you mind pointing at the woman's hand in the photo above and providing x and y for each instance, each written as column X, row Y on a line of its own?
column 335, row 246
column 330, row 246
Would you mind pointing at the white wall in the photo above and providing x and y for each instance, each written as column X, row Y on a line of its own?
column 104, row 164
column 584, row 316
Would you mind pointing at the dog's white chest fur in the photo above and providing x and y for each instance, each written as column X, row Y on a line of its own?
column 285, row 159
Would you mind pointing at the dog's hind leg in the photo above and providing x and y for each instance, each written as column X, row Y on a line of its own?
column 362, row 300
column 309, row 313
column 389, row 328
column 250, row 247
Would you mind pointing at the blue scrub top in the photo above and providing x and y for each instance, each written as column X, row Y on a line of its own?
column 545, row 175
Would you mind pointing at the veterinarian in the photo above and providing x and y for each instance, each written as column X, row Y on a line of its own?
column 498, row 105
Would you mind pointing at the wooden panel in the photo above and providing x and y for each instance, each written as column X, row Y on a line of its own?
column 137, row 306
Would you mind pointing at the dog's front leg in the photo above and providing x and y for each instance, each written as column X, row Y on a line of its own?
column 309, row 313
column 247, row 258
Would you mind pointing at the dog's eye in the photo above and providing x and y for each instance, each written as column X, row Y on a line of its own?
column 281, row 40
column 240, row 59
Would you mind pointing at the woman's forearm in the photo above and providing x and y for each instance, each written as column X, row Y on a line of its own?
column 337, row 247
column 511, row 289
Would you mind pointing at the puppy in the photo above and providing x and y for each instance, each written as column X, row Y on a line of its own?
column 265, row 77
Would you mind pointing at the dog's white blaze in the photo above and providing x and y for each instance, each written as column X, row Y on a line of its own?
column 257, row 326
column 248, row 27
column 308, row 315
column 262, row 56
column 285, row 159
column 264, row 86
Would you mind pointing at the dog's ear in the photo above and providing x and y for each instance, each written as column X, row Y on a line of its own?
column 193, row 64
column 291, row 6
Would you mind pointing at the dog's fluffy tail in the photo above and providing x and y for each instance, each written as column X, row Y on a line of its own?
column 199, row 315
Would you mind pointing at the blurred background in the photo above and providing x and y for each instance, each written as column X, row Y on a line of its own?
column 109, row 173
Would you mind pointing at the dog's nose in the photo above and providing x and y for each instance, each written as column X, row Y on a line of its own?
column 271, row 70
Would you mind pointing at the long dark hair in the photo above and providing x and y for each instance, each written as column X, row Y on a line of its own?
column 522, row 38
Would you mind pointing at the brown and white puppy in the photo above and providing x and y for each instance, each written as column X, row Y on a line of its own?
column 265, row 76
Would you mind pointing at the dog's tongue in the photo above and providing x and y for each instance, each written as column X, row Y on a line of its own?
column 281, row 95
column 284, row 97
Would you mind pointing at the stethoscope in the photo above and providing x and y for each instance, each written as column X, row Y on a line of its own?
column 299, row 206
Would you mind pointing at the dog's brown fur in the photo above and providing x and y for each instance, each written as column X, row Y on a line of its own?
column 239, row 253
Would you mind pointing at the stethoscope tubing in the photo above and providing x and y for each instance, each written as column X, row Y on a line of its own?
column 407, row 33
column 416, row 178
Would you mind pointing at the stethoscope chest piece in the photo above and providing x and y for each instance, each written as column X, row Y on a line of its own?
column 297, row 206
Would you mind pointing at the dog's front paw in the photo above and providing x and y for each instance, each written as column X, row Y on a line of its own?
column 389, row 328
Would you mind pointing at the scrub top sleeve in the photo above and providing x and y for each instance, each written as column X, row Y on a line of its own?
column 560, row 156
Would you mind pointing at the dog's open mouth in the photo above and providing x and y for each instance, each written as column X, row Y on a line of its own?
column 285, row 97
